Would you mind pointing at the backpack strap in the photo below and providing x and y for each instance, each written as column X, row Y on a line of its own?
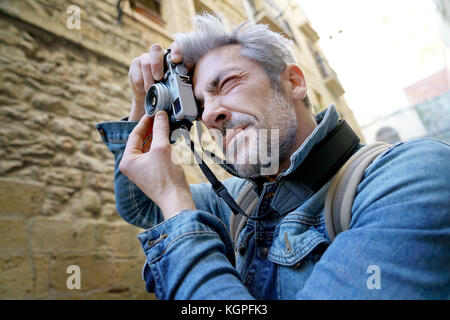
column 247, row 201
column 342, row 190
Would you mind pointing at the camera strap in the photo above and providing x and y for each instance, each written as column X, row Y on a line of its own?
column 321, row 164
column 218, row 186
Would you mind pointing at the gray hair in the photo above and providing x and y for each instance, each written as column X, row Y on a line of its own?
column 258, row 43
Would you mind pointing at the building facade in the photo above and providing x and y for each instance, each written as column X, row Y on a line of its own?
column 64, row 67
column 427, row 114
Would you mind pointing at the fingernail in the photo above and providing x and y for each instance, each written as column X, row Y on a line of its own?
column 161, row 115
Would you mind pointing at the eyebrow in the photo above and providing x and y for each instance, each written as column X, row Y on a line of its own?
column 214, row 83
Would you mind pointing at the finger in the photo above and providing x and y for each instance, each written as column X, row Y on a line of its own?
column 157, row 61
column 149, row 137
column 175, row 53
column 160, row 130
column 146, row 71
column 135, row 76
column 138, row 135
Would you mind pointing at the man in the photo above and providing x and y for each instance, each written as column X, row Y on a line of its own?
column 398, row 242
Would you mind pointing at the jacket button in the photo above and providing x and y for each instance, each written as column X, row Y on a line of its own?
column 263, row 252
column 102, row 133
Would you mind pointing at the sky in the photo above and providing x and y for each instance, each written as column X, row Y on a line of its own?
column 377, row 48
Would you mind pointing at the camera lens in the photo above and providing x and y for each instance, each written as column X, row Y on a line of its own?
column 157, row 98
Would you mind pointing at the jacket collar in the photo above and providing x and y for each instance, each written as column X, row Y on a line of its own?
column 327, row 120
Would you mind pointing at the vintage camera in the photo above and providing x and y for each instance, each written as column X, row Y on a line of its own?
column 174, row 95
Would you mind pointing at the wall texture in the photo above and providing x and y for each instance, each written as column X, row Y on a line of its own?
column 57, row 205
column 56, row 187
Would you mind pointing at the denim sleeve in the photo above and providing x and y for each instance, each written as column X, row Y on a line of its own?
column 399, row 238
column 133, row 205
column 137, row 209
column 190, row 256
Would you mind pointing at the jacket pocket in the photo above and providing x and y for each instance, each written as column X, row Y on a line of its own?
column 297, row 236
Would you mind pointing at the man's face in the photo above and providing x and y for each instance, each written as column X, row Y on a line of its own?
column 242, row 112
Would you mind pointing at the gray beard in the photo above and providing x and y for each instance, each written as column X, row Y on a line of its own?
column 286, row 142
column 286, row 124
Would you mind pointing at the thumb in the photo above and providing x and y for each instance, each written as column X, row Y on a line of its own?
column 139, row 133
column 161, row 130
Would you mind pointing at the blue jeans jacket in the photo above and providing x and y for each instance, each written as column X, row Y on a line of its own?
column 398, row 245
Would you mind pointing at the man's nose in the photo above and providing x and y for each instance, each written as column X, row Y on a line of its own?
column 214, row 115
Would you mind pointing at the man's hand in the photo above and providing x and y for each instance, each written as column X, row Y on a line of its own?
column 144, row 71
column 152, row 169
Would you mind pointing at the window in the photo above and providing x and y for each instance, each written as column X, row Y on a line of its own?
column 321, row 64
column 149, row 8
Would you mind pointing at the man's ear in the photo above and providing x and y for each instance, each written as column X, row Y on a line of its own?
column 295, row 81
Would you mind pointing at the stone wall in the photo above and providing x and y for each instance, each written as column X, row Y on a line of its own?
column 56, row 187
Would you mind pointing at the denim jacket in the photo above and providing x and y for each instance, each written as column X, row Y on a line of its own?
column 397, row 247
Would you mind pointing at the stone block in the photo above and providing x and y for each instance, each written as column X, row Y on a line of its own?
column 62, row 176
column 51, row 104
column 8, row 37
column 109, row 212
column 20, row 196
column 7, row 165
column 100, row 181
column 120, row 239
column 16, row 112
column 87, row 147
column 39, row 152
column 70, row 127
column 92, row 203
column 13, row 234
column 16, row 277
column 55, row 199
column 39, row 120
column 127, row 275
column 89, row 102
column 87, row 163
column 95, row 271
column 62, row 235
column 67, row 144
column 108, row 196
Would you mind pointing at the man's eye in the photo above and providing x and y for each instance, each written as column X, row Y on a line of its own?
column 226, row 82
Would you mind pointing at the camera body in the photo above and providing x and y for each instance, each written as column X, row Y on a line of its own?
column 174, row 95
